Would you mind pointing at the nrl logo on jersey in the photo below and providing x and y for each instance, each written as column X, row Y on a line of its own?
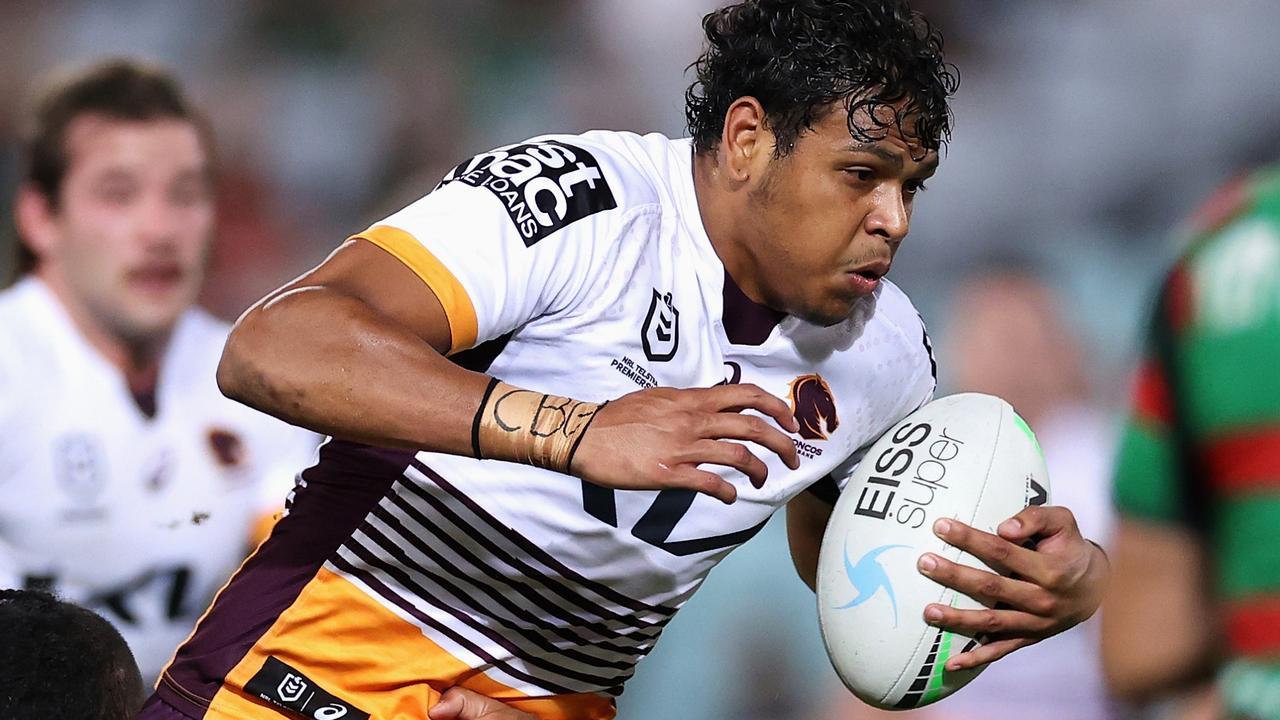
column 661, row 332
column 543, row 185
column 281, row 684
column 79, row 462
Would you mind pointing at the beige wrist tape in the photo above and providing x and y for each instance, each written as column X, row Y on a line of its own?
column 529, row 427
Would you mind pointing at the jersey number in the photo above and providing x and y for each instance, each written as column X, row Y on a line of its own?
column 658, row 522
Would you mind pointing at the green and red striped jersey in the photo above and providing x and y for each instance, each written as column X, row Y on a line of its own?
column 1201, row 447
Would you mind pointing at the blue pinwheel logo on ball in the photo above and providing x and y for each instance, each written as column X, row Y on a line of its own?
column 867, row 576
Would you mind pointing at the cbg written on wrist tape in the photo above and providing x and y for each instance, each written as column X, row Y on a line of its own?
column 530, row 427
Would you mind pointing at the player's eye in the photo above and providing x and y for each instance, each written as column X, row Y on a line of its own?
column 189, row 193
column 116, row 193
column 911, row 187
column 860, row 174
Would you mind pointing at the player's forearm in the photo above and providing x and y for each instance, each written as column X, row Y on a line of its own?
column 327, row 361
column 1157, row 620
column 1137, row 674
column 807, row 517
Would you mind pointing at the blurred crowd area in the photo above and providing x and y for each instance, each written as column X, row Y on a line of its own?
column 1085, row 132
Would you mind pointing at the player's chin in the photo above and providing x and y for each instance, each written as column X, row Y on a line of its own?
column 834, row 309
column 146, row 317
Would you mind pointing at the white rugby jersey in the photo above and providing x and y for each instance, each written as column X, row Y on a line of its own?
column 139, row 518
column 573, row 265
column 579, row 266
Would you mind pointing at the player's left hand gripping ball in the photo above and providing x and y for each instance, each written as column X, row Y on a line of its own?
column 1055, row 581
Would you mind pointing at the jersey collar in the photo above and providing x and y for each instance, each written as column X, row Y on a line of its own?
column 745, row 322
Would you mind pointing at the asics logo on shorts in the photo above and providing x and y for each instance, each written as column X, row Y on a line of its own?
column 281, row 684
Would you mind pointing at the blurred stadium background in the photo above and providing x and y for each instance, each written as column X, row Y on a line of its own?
column 1085, row 131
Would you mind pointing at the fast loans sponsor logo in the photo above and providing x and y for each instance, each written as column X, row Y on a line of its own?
column 903, row 489
column 543, row 185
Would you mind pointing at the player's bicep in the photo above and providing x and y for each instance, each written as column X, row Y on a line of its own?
column 364, row 271
column 807, row 516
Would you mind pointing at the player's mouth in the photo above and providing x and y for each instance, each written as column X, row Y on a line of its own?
column 158, row 278
column 865, row 278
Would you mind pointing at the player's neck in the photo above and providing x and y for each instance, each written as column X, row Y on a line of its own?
column 718, row 219
column 138, row 360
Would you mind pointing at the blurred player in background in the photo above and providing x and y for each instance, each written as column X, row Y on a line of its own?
column 1007, row 337
column 1196, row 599
column 522, row 538
column 128, row 483
column 59, row 660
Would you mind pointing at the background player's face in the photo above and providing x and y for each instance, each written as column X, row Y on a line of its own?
column 829, row 217
column 127, row 241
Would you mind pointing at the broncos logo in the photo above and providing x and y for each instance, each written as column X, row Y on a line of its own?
column 814, row 407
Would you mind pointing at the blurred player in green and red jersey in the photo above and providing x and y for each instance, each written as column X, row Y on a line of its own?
column 1196, row 595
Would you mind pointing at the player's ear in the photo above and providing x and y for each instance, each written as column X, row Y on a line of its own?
column 33, row 215
column 746, row 140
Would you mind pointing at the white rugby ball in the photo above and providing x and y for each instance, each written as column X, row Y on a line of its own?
column 968, row 457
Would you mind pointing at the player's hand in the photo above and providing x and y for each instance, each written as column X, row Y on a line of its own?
column 655, row 439
column 1053, row 587
column 462, row 704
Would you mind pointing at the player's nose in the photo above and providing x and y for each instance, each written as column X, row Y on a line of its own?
column 889, row 217
column 158, row 221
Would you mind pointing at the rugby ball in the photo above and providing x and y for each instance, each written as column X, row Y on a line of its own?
column 968, row 457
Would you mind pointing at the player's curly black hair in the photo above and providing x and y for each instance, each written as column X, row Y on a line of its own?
column 798, row 57
column 59, row 660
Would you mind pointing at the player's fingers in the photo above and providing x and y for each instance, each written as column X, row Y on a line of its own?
column 729, row 454
column 462, row 704
column 736, row 398
column 1043, row 520
column 748, row 427
column 707, row 483
column 986, row 653
column 988, row 622
column 998, row 553
column 986, row 587
column 451, row 706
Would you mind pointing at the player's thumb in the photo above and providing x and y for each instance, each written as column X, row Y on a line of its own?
column 452, row 705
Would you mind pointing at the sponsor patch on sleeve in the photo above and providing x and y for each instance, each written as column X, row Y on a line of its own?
column 544, row 186
column 280, row 684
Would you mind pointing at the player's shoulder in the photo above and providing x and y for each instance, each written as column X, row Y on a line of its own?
column 30, row 321
column 1230, row 264
column 898, row 322
column 202, row 327
column 895, row 313
column 12, row 329
column 884, row 331
column 1249, row 195
column 640, row 165
column 1244, row 211
column 196, row 346
column 21, row 305
column 552, row 181
column 193, row 356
